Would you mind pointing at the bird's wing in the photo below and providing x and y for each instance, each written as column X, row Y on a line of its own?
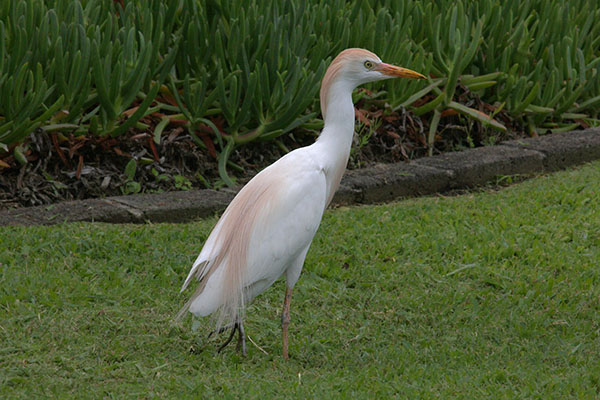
column 289, row 220
column 273, row 218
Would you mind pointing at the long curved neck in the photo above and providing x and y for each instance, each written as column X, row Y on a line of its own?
column 336, row 137
column 338, row 115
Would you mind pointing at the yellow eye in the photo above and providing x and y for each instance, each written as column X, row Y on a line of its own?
column 368, row 64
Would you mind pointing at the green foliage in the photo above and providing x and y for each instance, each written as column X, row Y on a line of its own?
column 131, row 186
column 182, row 183
column 255, row 66
column 486, row 295
column 90, row 60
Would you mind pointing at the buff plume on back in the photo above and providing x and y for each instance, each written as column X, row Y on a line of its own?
column 229, row 253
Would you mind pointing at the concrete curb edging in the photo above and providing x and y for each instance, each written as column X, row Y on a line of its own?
column 377, row 184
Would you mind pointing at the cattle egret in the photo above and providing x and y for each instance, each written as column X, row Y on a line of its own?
column 266, row 230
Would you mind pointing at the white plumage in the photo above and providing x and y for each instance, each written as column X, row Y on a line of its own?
column 287, row 200
column 267, row 229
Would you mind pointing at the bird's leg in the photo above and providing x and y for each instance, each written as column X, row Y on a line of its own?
column 285, row 321
column 233, row 329
column 241, row 338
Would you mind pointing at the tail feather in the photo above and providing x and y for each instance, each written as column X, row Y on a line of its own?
column 201, row 271
column 198, row 271
column 183, row 311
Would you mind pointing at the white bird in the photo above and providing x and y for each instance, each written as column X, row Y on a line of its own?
column 268, row 227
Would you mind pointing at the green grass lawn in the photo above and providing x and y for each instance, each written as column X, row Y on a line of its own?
column 494, row 294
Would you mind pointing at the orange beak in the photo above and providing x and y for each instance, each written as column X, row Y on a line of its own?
column 398, row 72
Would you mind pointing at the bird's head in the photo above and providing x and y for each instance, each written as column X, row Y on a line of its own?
column 353, row 67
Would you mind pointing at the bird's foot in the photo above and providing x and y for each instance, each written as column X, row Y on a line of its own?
column 238, row 326
column 235, row 327
column 220, row 330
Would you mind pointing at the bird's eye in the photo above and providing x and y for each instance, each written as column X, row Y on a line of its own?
column 368, row 64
